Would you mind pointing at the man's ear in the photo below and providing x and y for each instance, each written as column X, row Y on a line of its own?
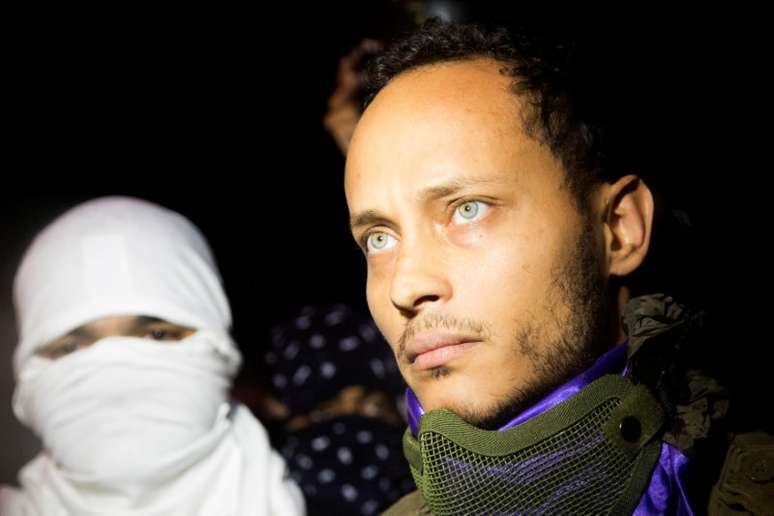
column 627, row 215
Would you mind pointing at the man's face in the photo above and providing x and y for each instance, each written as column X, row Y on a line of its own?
column 127, row 326
column 483, row 275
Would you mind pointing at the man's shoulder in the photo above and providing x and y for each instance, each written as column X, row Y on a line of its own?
column 412, row 503
column 746, row 483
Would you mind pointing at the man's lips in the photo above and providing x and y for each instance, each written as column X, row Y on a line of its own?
column 431, row 350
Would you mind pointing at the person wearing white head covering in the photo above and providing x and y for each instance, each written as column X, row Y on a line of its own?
column 123, row 367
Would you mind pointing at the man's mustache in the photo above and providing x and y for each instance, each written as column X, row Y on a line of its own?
column 430, row 322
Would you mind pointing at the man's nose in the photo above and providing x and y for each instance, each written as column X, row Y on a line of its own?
column 420, row 279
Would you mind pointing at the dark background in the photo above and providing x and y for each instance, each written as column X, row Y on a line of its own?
column 217, row 114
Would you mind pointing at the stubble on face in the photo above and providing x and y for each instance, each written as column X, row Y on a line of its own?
column 575, row 308
column 565, row 341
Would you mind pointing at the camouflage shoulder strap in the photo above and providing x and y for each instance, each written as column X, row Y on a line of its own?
column 746, row 484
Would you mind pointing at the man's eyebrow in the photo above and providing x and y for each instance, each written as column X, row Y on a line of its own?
column 368, row 218
column 448, row 188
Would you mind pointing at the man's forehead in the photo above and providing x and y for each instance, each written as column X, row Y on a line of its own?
column 475, row 82
column 435, row 118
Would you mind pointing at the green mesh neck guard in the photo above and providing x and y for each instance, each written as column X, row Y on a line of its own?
column 591, row 454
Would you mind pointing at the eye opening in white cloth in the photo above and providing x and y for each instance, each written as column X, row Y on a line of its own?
column 85, row 335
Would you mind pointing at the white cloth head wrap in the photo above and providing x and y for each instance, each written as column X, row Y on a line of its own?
column 133, row 426
column 116, row 256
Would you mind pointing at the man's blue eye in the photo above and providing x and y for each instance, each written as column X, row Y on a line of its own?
column 378, row 241
column 468, row 210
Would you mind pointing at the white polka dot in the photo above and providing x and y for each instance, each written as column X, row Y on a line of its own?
column 320, row 443
column 326, row 475
column 349, row 492
column 370, row 507
column 279, row 381
column 334, row 318
column 367, row 332
column 303, row 322
column 369, row 472
column 349, row 344
column 364, row 437
column 316, row 341
column 291, row 350
column 344, row 455
column 382, row 451
column 301, row 375
column 327, row 369
column 377, row 367
column 385, row 484
column 304, row 462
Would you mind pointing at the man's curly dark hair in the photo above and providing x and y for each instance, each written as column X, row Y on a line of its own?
column 560, row 109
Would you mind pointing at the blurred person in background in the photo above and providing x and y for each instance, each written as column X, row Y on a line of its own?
column 334, row 407
column 345, row 104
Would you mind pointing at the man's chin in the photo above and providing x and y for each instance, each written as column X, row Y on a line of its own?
column 473, row 400
column 479, row 415
column 459, row 394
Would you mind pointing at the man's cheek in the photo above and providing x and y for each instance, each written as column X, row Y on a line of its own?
column 377, row 290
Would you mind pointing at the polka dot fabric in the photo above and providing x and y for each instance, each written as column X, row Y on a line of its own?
column 345, row 464
column 322, row 350
column 348, row 466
